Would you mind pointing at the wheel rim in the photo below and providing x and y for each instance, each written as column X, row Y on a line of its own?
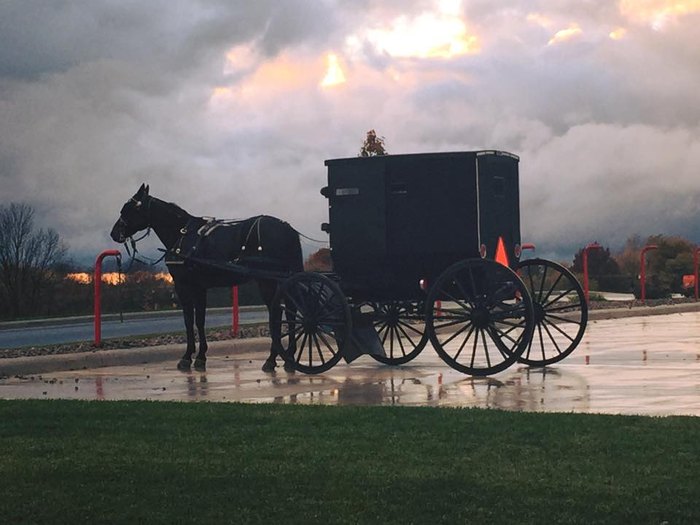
column 401, row 329
column 486, row 318
column 561, row 311
column 315, row 322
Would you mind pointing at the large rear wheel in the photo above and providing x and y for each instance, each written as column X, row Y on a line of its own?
column 561, row 311
column 479, row 317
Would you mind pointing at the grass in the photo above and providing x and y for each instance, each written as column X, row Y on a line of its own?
column 145, row 462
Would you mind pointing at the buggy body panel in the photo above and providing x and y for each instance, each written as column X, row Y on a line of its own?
column 397, row 220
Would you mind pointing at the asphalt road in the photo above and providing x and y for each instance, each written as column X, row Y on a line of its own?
column 60, row 331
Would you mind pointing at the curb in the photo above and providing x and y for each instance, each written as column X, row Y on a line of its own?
column 124, row 357
column 642, row 311
column 155, row 354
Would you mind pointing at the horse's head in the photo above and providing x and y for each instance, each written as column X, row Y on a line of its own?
column 134, row 217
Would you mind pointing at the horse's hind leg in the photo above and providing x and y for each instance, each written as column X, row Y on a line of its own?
column 186, row 299
column 200, row 312
column 268, row 290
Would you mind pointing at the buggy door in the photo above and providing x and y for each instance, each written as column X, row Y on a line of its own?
column 499, row 206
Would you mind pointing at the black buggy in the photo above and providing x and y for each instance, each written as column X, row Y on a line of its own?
column 426, row 247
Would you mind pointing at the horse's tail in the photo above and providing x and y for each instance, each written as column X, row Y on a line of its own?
column 297, row 255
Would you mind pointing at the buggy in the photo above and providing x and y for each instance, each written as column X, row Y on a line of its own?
column 426, row 248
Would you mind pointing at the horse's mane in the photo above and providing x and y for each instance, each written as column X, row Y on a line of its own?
column 178, row 209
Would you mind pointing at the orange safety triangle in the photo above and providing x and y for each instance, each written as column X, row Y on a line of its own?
column 501, row 255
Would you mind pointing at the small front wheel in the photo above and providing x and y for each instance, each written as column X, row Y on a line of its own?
column 400, row 326
column 479, row 317
column 314, row 321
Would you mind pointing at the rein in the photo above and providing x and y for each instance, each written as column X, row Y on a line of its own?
column 136, row 256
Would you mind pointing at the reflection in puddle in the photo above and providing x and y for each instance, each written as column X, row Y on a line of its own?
column 526, row 389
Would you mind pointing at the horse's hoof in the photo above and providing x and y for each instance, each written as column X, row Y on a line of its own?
column 289, row 367
column 184, row 364
column 200, row 365
column 269, row 366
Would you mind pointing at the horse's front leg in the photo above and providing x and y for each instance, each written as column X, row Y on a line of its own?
column 200, row 311
column 187, row 302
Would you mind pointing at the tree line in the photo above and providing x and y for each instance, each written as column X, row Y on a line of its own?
column 37, row 279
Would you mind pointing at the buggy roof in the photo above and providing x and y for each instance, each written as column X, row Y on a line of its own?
column 426, row 155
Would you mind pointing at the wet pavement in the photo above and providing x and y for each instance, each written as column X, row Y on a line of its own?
column 635, row 365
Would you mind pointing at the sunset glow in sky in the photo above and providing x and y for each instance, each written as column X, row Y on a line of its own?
column 230, row 109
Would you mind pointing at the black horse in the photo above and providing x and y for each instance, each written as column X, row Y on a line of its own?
column 204, row 253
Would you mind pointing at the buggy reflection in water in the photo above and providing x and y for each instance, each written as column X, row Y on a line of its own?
column 426, row 247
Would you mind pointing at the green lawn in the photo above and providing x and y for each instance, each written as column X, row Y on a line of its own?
column 143, row 462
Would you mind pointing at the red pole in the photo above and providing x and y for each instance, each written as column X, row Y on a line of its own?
column 234, row 311
column 528, row 246
column 695, row 270
column 643, row 272
column 98, row 291
column 591, row 246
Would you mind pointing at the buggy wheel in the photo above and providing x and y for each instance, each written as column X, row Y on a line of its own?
column 400, row 326
column 561, row 312
column 485, row 320
column 315, row 321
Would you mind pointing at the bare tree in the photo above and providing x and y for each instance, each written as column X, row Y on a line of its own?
column 373, row 145
column 27, row 256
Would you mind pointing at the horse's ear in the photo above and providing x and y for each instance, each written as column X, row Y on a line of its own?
column 147, row 188
column 142, row 189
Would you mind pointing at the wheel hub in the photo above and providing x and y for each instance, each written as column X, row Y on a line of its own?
column 481, row 317
column 539, row 311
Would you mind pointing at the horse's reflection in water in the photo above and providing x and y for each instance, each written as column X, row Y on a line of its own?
column 197, row 385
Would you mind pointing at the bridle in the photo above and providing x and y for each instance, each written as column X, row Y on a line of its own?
column 133, row 252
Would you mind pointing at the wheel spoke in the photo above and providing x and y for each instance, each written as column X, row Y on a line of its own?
column 539, row 331
column 413, row 328
column 544, row 325
column 563, row 294
column 562, row 319
column 486, row 348
column 504, row 334
column 498, row 341
column 408, row 337
column 558, row 329
column 318, row 349
column 398, row 339
column 551, row 288
column 572, row 307
column 463, row 292
column 301, row 348
column 529, row 347
column 327, row 344
column 456, row 334
column 455, row 300
column 544, row 278
column 451, row 323
column 476, row 342
column 461, row 347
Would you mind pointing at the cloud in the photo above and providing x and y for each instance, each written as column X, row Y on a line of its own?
column 220, row 107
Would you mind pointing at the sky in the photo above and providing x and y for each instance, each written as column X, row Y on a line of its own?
column 229, row 108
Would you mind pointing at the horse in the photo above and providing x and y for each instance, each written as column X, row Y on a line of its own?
column 203, row 253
